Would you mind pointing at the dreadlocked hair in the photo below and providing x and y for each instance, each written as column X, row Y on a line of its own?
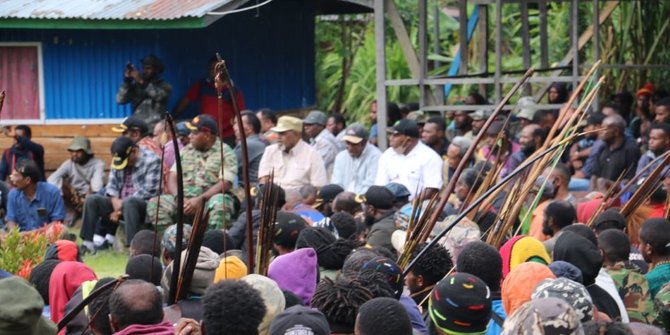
column 339, row 301
column 377, row 283
column 434, row 264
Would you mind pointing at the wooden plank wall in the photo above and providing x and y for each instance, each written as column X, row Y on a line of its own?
column 56, row 139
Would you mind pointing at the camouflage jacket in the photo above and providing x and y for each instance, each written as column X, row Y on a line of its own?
column 634, row 290
column 662, row 306
column 201, row 169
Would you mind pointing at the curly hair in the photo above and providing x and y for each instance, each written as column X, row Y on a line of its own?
column 383, row 316
column 345, row 224
column 434, row 264
column 483, row 261
column 339, row 301
column 232, row 307
column 377, row 283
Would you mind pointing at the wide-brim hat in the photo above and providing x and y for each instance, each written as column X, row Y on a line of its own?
column 81, row 143
column 287, row 123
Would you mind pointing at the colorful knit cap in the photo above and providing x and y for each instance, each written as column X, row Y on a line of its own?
column 391, row 271
column 460, row 304
column 522, row 249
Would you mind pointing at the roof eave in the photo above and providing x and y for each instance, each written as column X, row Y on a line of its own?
column 32, row 23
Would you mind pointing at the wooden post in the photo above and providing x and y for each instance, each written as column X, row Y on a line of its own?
column 596, row 45
column 498, row 48
column 439, row 95
column 574, row 23
column 483, row 44
column 544, row 47
column 525, row 38
column 380, row 51
column 423, row 50
column 463, row 35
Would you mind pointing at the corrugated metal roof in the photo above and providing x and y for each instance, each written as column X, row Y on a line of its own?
column 108, row 9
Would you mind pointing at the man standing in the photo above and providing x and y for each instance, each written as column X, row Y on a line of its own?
column 133, row 180
column 255, row 146
column 204, row 92
column 294, row 162
column 432, row 135
column 23, row 148
column 201, row 168
column 32, row 203
column 79, row 176
column 355, row 169
column 147, row 93
column 321, row 139
column 620, row 154
column 410, row 162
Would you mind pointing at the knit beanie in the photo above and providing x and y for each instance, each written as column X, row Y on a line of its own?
column 296, row 272
column 273, row 298
column 522, row 249
column 230, row 267
column 460, row 303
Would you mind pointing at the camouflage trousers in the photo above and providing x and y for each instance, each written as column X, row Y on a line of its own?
column 222, row 211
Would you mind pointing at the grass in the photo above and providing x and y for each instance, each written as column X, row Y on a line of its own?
column 107, row 263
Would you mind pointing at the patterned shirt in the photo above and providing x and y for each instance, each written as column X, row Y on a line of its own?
column 146, row 175
column 634, row 290
column 201, row 169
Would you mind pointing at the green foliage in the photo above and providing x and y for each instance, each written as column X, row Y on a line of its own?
column 20, row 252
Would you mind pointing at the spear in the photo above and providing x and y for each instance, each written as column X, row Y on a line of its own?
column 176, row 263
column 475, row 203
column 225, row 75
column 468, row 154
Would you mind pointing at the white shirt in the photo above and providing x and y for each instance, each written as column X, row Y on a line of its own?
column 356, row 174
column 326, row 145
column 301, row 166
column 607, row 283
column 420, row 168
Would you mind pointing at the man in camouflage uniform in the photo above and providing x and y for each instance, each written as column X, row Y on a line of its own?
column 147, row 93
column 201, row 169
column 662, row 307
column 631, row 284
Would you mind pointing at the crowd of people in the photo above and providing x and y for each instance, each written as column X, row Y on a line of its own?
column 344, row 211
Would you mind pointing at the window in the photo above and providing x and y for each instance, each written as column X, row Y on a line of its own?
column 20, row 77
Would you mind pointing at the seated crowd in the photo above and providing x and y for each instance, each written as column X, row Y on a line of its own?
column 344, row 211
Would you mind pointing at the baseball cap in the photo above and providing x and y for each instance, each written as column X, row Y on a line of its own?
column 81, row 143
column 121, row 148
column 355, row 134
column 398, row 190
column 460, row 302
column 378, row 197
column 203, row 122
column 481, row 114
column 300, row 320
column 132, row 123
column 525, row 108
column 182, row 129
column 286, row 123
column 316, row 117
column 287, row 228
column 405, row 127
column 612, row 216
column 327, row 193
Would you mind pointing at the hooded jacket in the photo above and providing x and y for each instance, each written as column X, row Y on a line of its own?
column 296, row 272
column 520, row 283
column 203, row 276
column 65, row 280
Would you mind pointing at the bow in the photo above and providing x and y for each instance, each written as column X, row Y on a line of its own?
column 176, row 263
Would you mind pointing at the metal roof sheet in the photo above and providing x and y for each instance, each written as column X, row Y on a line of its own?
column 108, row 9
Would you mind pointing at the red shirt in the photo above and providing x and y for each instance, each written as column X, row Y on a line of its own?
column 205, row 92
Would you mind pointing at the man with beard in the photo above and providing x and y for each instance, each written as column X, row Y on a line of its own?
column 557, row 215
column 462, row 126
column 619, row 155
column 432, row 135
column 147, row 93
column 409, row 162
column 294, row 162
column 659, row 143
column 531, row 138
column 80, row 175
column 378, row 208
column 478, row 119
